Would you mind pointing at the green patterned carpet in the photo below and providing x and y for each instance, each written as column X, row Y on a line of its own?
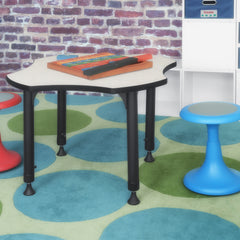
column 83, row 195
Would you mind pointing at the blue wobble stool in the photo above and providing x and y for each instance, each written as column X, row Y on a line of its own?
column 213, row 177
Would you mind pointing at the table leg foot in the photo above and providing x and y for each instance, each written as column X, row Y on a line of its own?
column 29, row 190
column 149, row 157
column 133, row 200
column 61, row 152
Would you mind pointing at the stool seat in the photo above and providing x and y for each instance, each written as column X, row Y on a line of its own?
column 8, row 159
column 213, row 177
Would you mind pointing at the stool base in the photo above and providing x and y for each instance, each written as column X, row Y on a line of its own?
column 8, row 159
column 218, row 184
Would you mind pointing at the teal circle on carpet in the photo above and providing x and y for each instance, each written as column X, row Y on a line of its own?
column 196, row 134
column 171, row 224
column 104, row 145
column 79, row 99
column 44, row 157
column 75, row 195
column 28, row 236
column 18, row 107
column 116, row 112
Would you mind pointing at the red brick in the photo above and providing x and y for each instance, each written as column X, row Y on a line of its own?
column 96, row 41
column 177, row 23
column 83, row 21
column 146, row 23
column 170, row 52
column 152, row 51
column 99, row 2
column 111, row 41
column 53, row 39
column 143, row 42
column 11, row 54
column 97, row 21
column 26, row 10
column 37, row 29
column 162, row 43
column 128, row 14
column 53, row 21
column 148, row 3
column 25, row 1
column 9, row 66
column 161, row 33
column 76, row 49
column 128, row 22
column 11, row 29
column 9, row 18
column 44, row 48
column 39, row 20
column 127, row 32
column 112, row 50
column 25, row 38
column 10, row 2
column 24, row 55
column 171, row 13
column 84, row 2
column 155, row 13
column 37, row 39
column 10, row 38
column 67, row 11
column 80, row 39
column 162, row 23
column 68, row 2
column 98, row 12
column 135, row 51
column 95, row 30
column 4, row 45
column 167, row 3
column 4, row 10
column 176, row 43
column 68, row 20
column 23, row 46
column 113, row 22
column 130, row 4
column 46, row 11
column 64, row 30
column 126, row 42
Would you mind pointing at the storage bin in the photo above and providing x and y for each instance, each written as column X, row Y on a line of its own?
column 209, row 8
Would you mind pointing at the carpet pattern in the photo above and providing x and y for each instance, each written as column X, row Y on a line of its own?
column 83, row 195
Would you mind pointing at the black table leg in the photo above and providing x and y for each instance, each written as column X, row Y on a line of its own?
column 28, row 120
column 150, row 124
column 132, row 145
column 61, row 122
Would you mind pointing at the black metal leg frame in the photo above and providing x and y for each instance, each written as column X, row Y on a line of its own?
column 132, row 137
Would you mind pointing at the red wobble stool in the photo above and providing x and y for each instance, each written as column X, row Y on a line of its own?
column 8, row 159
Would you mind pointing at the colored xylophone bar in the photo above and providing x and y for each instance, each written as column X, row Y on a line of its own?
column 101, row 65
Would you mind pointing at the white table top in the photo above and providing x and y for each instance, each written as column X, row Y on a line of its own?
column 39, row 77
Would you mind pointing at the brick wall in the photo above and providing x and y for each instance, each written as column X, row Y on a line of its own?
column 31, row 29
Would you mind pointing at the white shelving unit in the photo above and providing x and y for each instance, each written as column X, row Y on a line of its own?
column 209, row 68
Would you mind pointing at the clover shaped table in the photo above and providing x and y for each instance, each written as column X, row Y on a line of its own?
column 8, row 158
column 38, row 77
column 213, row 177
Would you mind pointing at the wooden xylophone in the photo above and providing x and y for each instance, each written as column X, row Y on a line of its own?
column 101, row 65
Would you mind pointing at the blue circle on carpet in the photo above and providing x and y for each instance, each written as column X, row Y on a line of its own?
column 44, row 157
column 18, row 107
column 196, row 134
column 116, row 112
column 79, row 99
column 104, row 145
column 75, row 195
column 28, row 236
column 171, row 224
